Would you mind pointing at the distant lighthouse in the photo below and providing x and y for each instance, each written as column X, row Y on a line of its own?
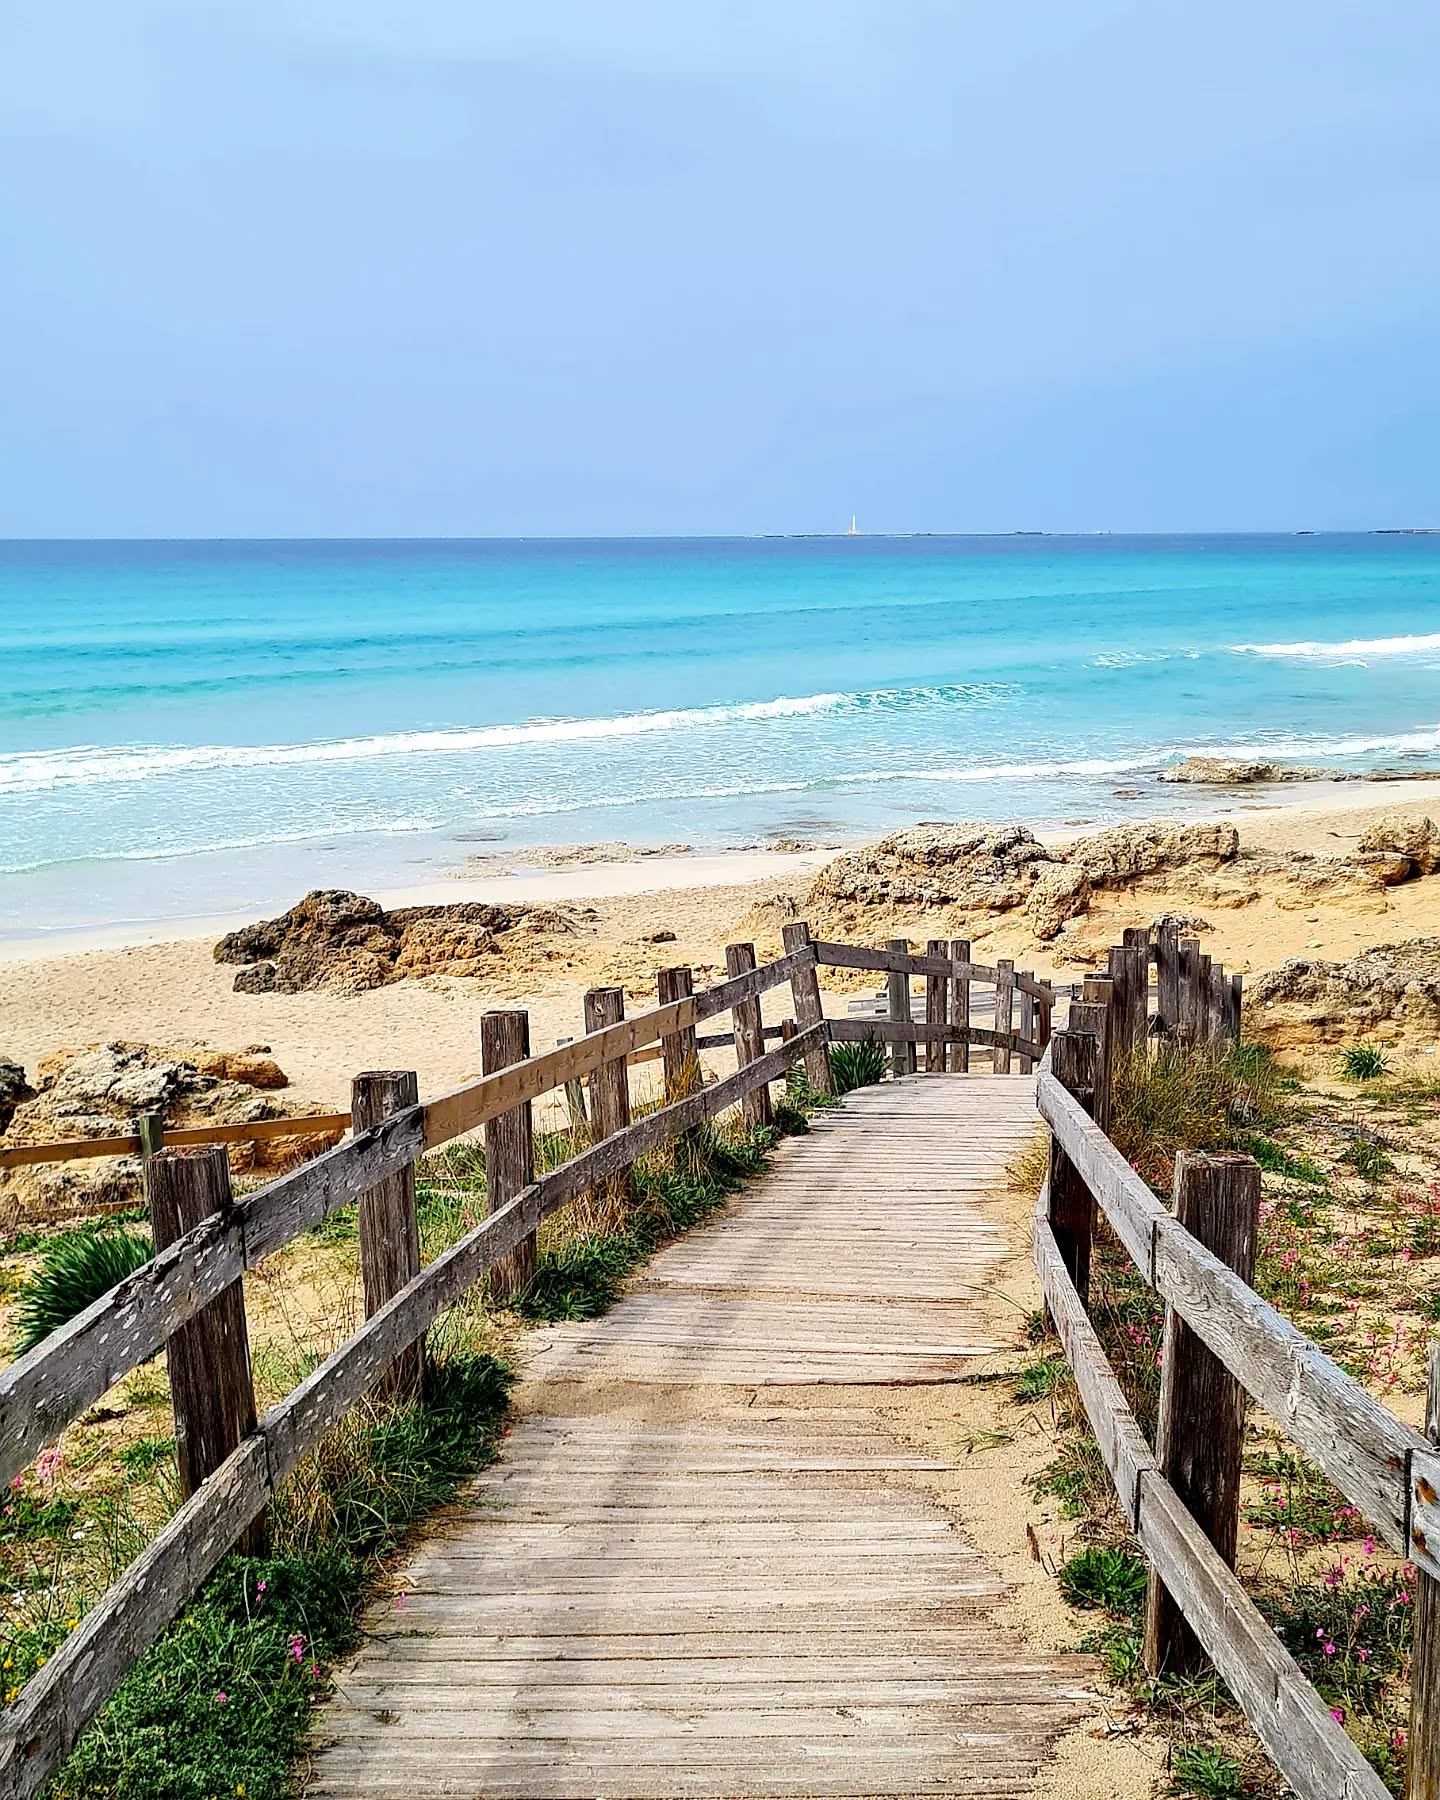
column 854, row 530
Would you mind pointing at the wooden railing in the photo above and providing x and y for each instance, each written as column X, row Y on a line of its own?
column 189, row 1298
column 1222, row 1341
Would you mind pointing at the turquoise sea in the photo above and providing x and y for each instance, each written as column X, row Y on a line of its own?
column 198, row 727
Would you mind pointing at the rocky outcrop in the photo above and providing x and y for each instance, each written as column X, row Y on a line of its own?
column 340, row 942
column 1061, row 892
column 1239, row 771
column 97, row 1092
column 1388, row 992
column 962, row 868
column 14, row 1090
column 1129, row 853
column 1415, row 842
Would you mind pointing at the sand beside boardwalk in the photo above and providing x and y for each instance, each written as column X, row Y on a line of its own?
column 174, row 993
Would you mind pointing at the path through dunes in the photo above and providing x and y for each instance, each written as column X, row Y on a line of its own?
column 703, row 1567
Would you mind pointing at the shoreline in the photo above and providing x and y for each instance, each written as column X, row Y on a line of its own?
column 575, row 880
column 163, row 988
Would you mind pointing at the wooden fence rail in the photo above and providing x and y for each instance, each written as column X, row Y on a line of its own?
column 1387, row 1471
column 200, row 1264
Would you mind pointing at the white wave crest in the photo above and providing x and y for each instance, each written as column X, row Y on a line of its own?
column 93, row 765
column 1416, row 644
column 1422, row 740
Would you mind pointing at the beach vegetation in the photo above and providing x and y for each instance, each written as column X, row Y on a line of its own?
column 1348, row 1247
column 223, row 1701
column 858, row 1064
column 76, row 1268
column 1363, row 1062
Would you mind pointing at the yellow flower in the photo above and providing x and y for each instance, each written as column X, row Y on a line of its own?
column 10, row 1694
column 70, row 1624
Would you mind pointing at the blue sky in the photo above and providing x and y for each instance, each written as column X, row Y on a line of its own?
column 344, row 267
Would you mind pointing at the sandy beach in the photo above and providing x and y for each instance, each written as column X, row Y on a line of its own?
column 102, row 987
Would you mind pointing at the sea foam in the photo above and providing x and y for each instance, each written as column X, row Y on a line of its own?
column 89, row 765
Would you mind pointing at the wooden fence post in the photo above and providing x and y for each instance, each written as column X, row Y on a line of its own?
column 937, row 1009
column 609, row 1098
column 150, row 1129
column 1200, row 1428
column 211, row 1390
column 1167, row 978
column 1129, row 966
column 755, row 1108
column 1075, row 1064
column 897, row 984
column 1027, row 1023
column 809, row 1008
column 1096, row 1012
column 679, row 1058
column 1234, row 1007
column 1004, row 1012
column 960, row 1006
column 509, row 1147
column 1422, row 1776
column 389, row 1231
column 1187, row 1017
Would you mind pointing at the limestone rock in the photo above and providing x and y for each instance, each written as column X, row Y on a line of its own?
column 964, row 868
column 1389, row 991
column 340, row 942
column 1387, row 866
column 1239, row 771
column 98, row 1090
column 14, row 1090
column 1130, row 852
column 1061, row 892
column 1417, row 840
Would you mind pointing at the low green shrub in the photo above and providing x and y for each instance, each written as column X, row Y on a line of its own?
column 857, row 1064
column 1362, row 1062
column 1207, row 1774
column 75, row 1269
column 1112, row 1581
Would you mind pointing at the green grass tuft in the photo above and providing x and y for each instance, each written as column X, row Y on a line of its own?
column 1362, row 1062
column 222, row 1703
column 1112, row 1581
column 856, row 1065
column 76, row 1269
column 1205, row 1774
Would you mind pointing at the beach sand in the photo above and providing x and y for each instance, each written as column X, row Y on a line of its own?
column 103, row 987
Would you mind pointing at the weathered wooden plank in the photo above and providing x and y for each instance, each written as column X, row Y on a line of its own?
column 897, row 986
column 892, row 1031
column 60, row 1700
column 509, row 1146
column 851, row 956
column 960, row 1004
column 1200, row 1427
column 1306, row 1744
column 212, row 1395
column 1123, row 1197
column 755, row 1108
column 389, row 1229
column 42, row 1391
column 1070, row 1203
column 1364, row 1449
column 809, row 1008
column 1121, row 1441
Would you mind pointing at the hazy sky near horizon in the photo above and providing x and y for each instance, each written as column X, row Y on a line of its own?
column 347, row 267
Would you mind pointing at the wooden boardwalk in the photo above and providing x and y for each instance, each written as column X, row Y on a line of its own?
column 703, row 1567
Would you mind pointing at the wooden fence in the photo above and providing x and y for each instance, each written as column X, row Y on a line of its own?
column 189, row 1298
column 1221, row 1343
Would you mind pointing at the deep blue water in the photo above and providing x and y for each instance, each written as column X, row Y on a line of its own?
column 190, row 726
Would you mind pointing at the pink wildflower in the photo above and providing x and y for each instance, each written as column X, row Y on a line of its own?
column 220, row 1699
